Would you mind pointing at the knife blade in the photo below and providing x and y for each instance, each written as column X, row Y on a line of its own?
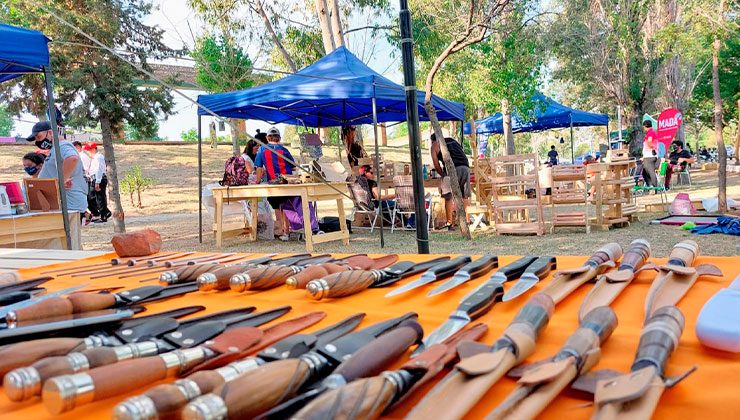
column 433, row 274
column 473, row 306
column 467, row 273
column 7, row 309
column 531, row 276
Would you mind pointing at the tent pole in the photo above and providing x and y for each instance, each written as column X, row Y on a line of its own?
column 572, row 152
column 412, row 119
column 377, row 170
column 200, row 180
column 48, row 80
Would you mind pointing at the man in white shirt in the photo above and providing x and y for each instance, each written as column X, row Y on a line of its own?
column 99, row 182
column 84, row 158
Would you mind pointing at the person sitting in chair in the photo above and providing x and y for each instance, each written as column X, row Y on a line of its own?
column 679, row 157
column 368, row 181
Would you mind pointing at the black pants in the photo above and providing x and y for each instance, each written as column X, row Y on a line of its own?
column 98, row 200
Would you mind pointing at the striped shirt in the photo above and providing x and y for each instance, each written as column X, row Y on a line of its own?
column 272, row 158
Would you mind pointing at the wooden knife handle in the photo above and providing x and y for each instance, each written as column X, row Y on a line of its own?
column 593, row 330
column 63, row 365
column 301, row 278
column 340, row 284
column 169, row 399
column 636, row 255
column 122, row 377
column 190, row 273
column 59, row 306
column 364, row 399
column 261, row 278
column 659, row 338
column 371, row 359
column 683, row 253
column 23, row 354
column 263, row 388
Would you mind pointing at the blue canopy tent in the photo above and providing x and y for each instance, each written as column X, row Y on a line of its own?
column 24, row 51
column 547, row 115
column 337, row 90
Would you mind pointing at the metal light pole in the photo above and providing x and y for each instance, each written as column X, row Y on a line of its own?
column 412, row 119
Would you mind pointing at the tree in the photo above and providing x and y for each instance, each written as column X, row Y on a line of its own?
column 606, row 49
column 95, row 86
column 718, row 122
column 6, row 122
column 148, row 133
column 465, row 23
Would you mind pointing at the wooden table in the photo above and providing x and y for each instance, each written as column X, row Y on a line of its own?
column 39, row 230
column 307, row 192
column 15, row 258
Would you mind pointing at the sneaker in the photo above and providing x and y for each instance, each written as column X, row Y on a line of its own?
column 284, row 238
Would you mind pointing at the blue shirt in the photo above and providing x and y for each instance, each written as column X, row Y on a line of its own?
column 272, row 158
column 77, row 195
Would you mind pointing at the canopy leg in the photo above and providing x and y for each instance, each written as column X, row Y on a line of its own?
column 200, row 180
column 377, row 170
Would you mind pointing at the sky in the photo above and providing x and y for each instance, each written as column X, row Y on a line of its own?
column 180, row 25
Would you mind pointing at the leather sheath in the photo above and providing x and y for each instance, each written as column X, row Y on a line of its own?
column 672, row 284
column 270, row 335
column 632, row 396
column 438, row 356
column 566, row 281
column 464, row 386
column 609, row 286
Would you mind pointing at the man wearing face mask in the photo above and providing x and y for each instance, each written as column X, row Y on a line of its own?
column 75, row 186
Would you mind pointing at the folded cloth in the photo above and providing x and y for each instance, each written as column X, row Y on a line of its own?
column 725, row 224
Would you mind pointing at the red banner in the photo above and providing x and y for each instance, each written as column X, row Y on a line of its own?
column 668, row 123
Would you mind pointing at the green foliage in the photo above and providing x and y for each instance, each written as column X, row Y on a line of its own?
column 149, row 133
column 6, row 122
column 304, row 46
column 190, row 135
column 134, row 182
column 221, row 65
column 702, row 102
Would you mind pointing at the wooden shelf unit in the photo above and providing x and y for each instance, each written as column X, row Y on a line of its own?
column 508, row 179
column 613, row 199
column 569, row 188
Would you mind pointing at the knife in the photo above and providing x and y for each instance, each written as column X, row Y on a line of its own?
column 438, row 272
column 347, row 283
column 467, row 273
column 83, row 302
column 10, row 308
column 531, row 276
column 168, row 399
column 473, row 306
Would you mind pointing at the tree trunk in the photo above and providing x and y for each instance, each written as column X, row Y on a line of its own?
column 326, row 33
column 212, row 134
column 336, row 23
column 384, row 133
column 718, row 126
column 119, row 224
column 508, row 135
column 636, row 135
column 233, row 122
column 257, row 6
column 737, row 136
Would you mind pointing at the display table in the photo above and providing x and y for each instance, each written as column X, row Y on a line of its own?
column 37, row 230
column 710, row 392
column 307, row 192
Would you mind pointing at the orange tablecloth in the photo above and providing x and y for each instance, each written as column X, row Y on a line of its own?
column 711, row 392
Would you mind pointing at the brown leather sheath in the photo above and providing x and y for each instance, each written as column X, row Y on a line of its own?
column 565, row 282
column 609, row 286
column 672, row 284
column 270, row 335
column 632, row 396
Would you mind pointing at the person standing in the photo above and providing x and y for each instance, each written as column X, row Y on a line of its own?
column 552, row 156
column 355, row 151
column 84, row 158
column 99, row 181
column 649, row 155
column 271, row 161
column 462, row 168
column 75, row 186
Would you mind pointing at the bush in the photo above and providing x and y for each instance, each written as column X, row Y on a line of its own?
column 190, row 135
column 135, row 182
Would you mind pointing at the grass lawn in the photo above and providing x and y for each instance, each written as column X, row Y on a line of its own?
column 171, row 208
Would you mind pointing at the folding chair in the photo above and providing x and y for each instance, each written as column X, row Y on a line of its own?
column 403, row 185
column 685, row 173
column 363, row 204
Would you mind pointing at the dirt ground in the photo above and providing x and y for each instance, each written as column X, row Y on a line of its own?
column 171, row 208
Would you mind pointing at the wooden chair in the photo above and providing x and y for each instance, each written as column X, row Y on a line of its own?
column 405, row 206
column 363, row 203
column 516, row 200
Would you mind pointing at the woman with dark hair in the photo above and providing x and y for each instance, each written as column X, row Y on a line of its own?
column 250, row 153
column 354, row 150
column 32, row 163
